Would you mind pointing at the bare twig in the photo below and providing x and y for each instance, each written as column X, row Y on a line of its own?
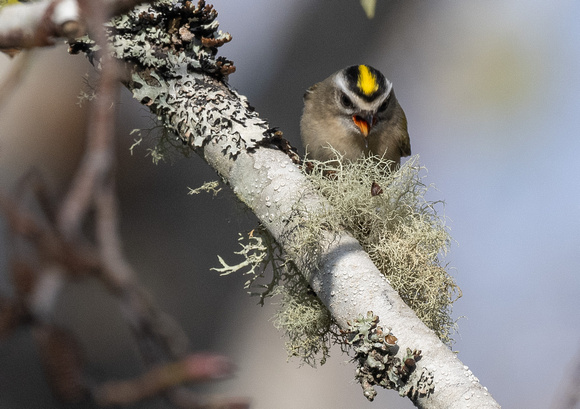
column 98, row 159
column 62, row 360
column 56, row 241
column 51, row 249
column 193, row 368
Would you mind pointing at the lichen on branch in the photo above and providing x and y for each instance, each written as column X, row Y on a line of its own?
column 170, row 51
column 374, row 349
column 404, row 235
column 389, row 215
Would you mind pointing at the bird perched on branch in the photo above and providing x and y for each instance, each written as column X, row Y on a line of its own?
column 354, row 111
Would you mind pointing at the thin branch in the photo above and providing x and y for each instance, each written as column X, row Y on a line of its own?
column 38, row 24
column 61, row 249
column 160, row 379
column 99, row 155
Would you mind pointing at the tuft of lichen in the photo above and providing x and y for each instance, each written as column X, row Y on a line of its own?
column 306, row 322
column 401, row 230
column 388, row 213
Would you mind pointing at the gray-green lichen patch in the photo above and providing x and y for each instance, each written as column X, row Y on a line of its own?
column 170, row 49
column 307, row 324
column 374, row 351
column 171, row 37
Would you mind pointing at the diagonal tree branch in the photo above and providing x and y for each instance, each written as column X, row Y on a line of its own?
column 169, row 55
column 174, row 72
column 267, row 175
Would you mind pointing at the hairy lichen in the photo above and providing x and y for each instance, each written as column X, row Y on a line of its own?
column 400, row 230
column 307, row 324
column 212, row 187
column 160, row 144
column 389, row 215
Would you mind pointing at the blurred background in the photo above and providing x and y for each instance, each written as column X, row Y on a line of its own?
column 492, row 95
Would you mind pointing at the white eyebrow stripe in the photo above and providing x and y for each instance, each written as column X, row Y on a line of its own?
column 389, row 86
column 340, row 82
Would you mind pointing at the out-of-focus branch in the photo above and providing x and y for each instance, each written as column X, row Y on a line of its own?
column 98, row 159
column 50, row 245
column 13, row 77
column 193, row 368
column 38, row 24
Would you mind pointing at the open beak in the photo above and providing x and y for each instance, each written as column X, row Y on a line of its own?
column 364, row 122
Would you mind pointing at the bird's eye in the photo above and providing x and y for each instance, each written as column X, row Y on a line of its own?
column 346, row 101
column 383, row 106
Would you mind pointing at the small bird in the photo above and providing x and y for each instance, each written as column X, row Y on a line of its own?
column 354, row 111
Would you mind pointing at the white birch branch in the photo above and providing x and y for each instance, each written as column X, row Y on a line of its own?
column 347, row 281
column 219, row 124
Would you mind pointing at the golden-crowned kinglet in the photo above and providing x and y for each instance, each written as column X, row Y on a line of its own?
column 356, row 112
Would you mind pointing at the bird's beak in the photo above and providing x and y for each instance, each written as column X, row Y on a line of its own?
column 364, row 122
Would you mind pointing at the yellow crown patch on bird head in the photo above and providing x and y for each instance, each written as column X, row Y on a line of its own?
column 366, row 81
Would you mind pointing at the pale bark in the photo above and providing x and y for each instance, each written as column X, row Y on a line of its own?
column 346, row 281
